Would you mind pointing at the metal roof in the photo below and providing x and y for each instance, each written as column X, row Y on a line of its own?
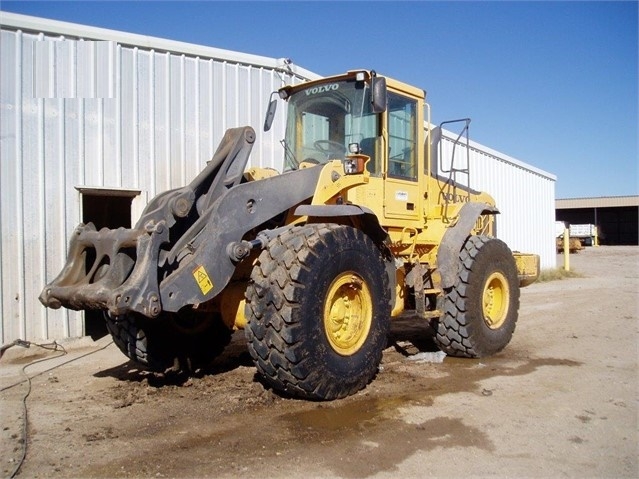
column 599, row 202
column 26, row 23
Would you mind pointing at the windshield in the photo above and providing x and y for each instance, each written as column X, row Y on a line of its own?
column 324, row 119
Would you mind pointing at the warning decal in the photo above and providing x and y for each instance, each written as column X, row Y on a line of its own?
column 202, row 279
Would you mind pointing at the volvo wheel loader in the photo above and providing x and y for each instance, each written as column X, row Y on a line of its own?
column 314, row 262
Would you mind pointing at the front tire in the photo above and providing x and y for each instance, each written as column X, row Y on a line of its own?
column 318, row 310
column 181, row 342
column 480, row 310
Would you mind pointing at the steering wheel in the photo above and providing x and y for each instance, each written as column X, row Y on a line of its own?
column 329, row 147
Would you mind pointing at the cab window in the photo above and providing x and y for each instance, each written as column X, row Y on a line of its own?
column 402, row 137
column 324, row 119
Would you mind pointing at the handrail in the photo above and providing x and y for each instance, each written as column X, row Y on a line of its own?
column 449, row 191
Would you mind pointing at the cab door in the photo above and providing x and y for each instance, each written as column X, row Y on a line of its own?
column 402, row 198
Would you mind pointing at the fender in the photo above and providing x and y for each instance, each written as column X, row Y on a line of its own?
column 370, row 223
column 370, row 226
column 453, row 240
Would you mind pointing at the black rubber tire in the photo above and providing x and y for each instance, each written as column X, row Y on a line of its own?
column 285, row 311
column 179, row 343
column 463, row 330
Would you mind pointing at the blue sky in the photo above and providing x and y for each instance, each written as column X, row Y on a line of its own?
column 553, row 84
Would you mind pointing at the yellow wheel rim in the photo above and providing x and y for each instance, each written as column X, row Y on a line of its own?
column 495, row 300
column 348, row 313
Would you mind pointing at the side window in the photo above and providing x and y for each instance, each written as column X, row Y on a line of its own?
column 402, row 137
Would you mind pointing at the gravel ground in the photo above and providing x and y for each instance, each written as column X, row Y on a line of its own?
column 560, row 401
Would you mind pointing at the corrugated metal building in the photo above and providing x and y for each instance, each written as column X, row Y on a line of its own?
column 95, row 122
column 524, row 194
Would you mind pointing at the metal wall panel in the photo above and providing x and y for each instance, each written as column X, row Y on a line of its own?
column 87, row 108
column 84, row 108
column 524, row 195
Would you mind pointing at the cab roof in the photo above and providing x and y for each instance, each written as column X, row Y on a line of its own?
column 391, row 84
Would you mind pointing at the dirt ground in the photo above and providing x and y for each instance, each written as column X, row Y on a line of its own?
column 560, row 401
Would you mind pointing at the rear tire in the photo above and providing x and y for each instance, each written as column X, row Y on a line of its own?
column 480, row 310
column 180, row 342
column 318, row 311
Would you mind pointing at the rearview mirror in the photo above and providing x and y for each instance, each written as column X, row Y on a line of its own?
column 270, row 112
column 378, row 94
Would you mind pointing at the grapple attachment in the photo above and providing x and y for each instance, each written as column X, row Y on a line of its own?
column 110, row 269
column 119, row 270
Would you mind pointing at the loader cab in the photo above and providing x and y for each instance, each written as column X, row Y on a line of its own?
column 360, row 112
column 326, row 121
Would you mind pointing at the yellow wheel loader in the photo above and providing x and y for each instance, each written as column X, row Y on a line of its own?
column 314, row 262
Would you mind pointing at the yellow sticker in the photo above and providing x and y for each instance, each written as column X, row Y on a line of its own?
column 202, row 279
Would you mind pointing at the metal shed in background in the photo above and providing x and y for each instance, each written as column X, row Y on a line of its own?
column 616, row 217
column 94, row 123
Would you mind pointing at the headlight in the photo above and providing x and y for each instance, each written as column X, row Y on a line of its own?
column 354, row 148
column 354, row 164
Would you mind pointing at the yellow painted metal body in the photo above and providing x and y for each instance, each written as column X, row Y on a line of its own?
column 255, row 174
column 416, row 212
column 528, row 267
column 232, row 303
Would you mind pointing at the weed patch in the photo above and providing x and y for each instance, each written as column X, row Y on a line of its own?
column 555, row 274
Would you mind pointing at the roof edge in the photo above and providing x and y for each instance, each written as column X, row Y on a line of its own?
column 31, row 24
column 597, row 202
column 497, row 154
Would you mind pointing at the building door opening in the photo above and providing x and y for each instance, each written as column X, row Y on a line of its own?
column 105, row 209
